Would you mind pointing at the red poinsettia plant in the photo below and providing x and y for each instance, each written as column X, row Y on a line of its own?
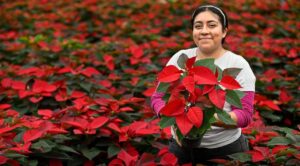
column 194, row 93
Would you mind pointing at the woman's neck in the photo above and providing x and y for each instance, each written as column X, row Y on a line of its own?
column 214, row 54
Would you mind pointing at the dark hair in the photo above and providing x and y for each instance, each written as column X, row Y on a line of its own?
column 218, row 11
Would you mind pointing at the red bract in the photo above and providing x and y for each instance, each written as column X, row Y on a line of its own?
column 46, row 113
column 89, row 71
column 137, row 53
column 217, row 97
column 138, row 128
column 98, row 122
column 6, row 82
column 270, row 104
column 4, row 106
column 115, row 162
column 189, row 63
column 195, row 115
column 127, row 158
column 35, row 99
column 168, row 159
column 169, row 74
column 61, row 95
column 40, row 128
column 18, row 85
column 3, row 159
column 204, row 75
column 28, row 70
column 284, row 96
column 278, row 149
column 7, row 129
column 109, row 62
column 76, row 122
column 42, row 86
column 77, row 94
column 256, row 156
column 184, row 120
column 114, row 127
column 184, row 124
column 173, row 108
column 229, row 83
column 32, row 134
column 189, row 83
column 22, row 148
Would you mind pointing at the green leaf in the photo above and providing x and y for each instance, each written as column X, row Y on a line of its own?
column 270, row 115
column 233, row 72
column 33, row 163
column 60, row 138
column 284, row 130
column 209, row 62
column 233, row 98
column 297, row 144
column 166, row 97
column 67, row 149
column 279, row 141
column 113, row 150
column 286, row 152
column 292, row 162
column 281, row 159
column 294, row 138
column 242, row 157
column 225, row 117
column 39, row 38
column 19, row 136
column 219, row 73
column 207, row 121
column 179, row 134
column 162, row 87
column 94, row 107
column 86, row 86
column 90, row 153
column 56, row 155
column 241, row 94
column 182, row 60
column 166, row 121
column 43, row 146
column 14, row 155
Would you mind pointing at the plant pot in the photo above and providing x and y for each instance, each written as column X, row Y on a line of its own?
column 187, row 142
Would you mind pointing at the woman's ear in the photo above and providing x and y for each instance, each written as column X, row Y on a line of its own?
column 224, row 32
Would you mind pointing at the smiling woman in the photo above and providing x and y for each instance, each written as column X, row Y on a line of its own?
column 210, row 26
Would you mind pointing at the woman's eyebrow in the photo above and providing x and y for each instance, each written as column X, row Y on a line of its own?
column 209, row 21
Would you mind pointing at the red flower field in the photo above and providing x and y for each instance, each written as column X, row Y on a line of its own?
column 76, row 77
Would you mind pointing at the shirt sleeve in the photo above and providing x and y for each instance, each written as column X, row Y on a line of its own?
column 244, row 116
column 246, row 77
column 157, row 102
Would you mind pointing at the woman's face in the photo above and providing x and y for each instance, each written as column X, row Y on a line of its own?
column 207, row 31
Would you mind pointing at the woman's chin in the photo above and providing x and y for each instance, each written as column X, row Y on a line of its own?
column 205, row 48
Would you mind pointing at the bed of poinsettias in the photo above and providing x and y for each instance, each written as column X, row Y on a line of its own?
column 76, row 76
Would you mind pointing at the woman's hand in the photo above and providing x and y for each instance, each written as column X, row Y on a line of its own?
column 219, row 123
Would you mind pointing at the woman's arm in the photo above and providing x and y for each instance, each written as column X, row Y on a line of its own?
column 242, row 117
column 157, row 102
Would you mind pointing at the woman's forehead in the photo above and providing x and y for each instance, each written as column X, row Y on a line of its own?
column 206, row 16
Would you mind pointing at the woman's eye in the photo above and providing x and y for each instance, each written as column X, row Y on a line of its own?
column 198, row 26
column 212, row 25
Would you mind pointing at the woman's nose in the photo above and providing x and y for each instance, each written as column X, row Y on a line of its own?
column 204, row 30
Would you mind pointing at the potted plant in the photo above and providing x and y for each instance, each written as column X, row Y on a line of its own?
column 193, row 94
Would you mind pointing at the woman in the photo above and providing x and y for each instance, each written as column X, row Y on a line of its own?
column 210, row 26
